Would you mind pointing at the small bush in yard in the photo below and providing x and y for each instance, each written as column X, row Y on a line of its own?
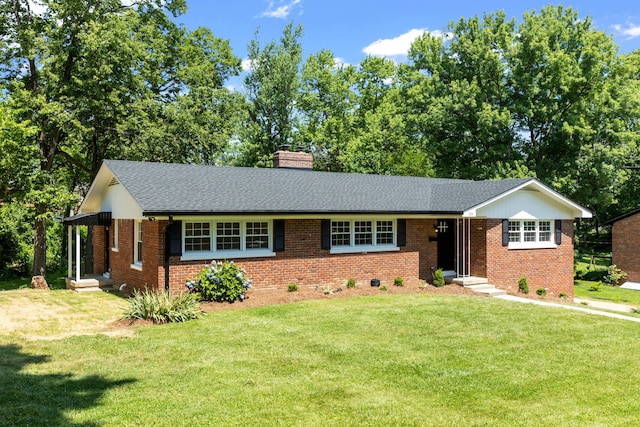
column 614, row 275
column 563, row 295
column 351, row 283
column 523, row 285
column 438, row 278
column 162, row 307
column 222, row 281
column 292, row 287
column 595, row 287
column 541, row 292
column 398, row 281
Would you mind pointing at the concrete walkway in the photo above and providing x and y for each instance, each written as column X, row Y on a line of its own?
column 576, row 307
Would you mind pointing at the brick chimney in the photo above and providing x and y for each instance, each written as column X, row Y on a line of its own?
column 292, row 160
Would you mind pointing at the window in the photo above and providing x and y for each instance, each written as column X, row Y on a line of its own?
column 197, row 236
column 115, row 236
column 137, row 238
column 359, row 235
column 228, row 236
column 530, row 234
column 204, row 239
column 257, row 235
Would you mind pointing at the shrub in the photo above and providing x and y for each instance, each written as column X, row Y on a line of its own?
column 351, row 283
column 594, row 275
column 292, row 287
column 595, row 287
column 383, row 288
column 438, row 278
column 162, row 307
column 398, row 281
column 580, row 274
column 541, row 292
column 563, row 295
column 523, row 285
column 614, row 275
column 222, row 281
column 327, row 290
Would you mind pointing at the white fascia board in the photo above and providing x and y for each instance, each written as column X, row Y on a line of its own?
column 578, row 211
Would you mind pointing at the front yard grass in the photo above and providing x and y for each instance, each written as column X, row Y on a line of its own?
column 381, row 360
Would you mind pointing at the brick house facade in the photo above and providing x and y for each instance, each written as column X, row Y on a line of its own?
column 625, row 246
column 294, row 225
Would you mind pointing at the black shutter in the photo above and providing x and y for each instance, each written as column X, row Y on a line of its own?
column 174, row 239
column 278, row 235
column 402, row 232
column 325, row 241
column 505, row 232
column 558, row 231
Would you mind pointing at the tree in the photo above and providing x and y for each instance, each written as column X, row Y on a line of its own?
column 102, row 79
column 327, row 107
column 273, row 90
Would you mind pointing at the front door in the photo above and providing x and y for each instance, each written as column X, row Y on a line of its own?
column 446, row 244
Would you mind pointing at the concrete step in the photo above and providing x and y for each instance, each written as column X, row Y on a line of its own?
column 486, row 289
column 469, row 281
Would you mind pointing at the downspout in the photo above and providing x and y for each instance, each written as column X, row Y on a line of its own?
column 167, row 252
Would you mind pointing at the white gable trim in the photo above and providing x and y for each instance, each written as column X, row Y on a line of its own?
column 106, row 194
column 577, row 210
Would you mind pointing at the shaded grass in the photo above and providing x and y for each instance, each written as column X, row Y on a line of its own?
column 382, row 360
column 56, row 280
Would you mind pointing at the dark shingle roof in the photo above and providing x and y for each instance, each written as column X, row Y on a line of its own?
column 165, row 188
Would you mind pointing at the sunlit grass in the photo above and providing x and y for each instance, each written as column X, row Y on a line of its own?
column 383, row 360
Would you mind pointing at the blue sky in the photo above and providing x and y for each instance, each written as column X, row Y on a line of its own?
column 351, row 29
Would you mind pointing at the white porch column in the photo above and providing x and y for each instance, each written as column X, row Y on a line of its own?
column 78, row 247
column 69, row 250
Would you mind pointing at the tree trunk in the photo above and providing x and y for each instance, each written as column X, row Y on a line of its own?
column 40, row 247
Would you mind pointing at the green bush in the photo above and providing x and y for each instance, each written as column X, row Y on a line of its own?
column 523, row 285
column 595, row 287
column 541, row 292
column 162, row 307
column 614, row 275
column 438, row 278
column 594, row 275
column 580, row 274
column 563, row 295
column 351, row 283
column 292, row 287
column 222, row 281
column 398, row 281
column 383, row 288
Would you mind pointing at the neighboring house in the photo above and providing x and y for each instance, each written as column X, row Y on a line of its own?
column 156, row 225
column 625, row 246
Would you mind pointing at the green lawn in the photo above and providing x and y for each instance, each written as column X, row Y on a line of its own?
column 606, row 293
column 56, row 280
column 383, row 360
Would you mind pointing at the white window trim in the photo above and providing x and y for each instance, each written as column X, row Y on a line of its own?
column 227, row 254
column 537, row 244
column 137, row 229
column 116, row 242
column 353, row 248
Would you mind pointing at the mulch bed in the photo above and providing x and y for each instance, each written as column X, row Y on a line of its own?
column 262, row 297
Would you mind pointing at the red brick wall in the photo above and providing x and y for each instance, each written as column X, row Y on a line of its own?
column 121, row 270
column 543, row 268
column 99, row 261
column 626, row 246
column 304, row 262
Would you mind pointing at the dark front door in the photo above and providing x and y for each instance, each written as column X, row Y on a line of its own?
column 446, row 243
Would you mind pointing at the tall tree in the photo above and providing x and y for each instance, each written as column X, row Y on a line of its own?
column 327, row 108
column 273, row 89
column 93, row 77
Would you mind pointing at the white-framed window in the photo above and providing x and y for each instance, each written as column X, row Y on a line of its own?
column 531, row 233
column 137, row 244
column 114, row 247
column 211, row 238
column 363, row 235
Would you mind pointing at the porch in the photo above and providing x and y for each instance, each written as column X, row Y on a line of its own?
column 88, row 281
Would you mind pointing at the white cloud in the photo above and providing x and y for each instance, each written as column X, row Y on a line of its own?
column 280, row 10
column 399, row 45
column 246, row 64
column 36, row 7
column 632, row 31
column 339, row 62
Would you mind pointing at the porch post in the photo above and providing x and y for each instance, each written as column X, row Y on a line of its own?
column 78, row 246
column 69, row 250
